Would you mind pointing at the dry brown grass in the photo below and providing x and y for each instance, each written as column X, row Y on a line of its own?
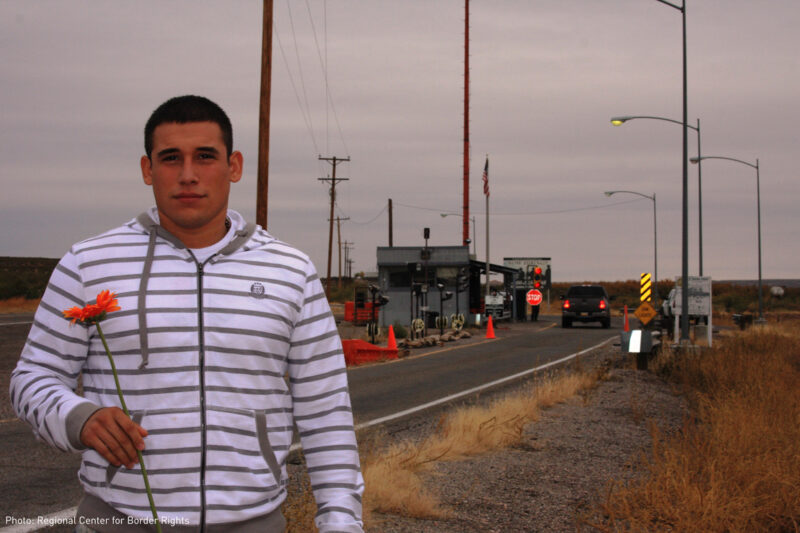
column 393, row 474
column 735, row 466
column 18, row 304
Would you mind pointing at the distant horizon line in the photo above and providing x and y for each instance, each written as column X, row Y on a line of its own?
column 794, row 282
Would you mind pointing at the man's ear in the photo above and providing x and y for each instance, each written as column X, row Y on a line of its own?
column 235, row 164
column 147, row 170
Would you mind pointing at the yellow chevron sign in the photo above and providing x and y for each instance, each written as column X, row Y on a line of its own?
column 646, row 288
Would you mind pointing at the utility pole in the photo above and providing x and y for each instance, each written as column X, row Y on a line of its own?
column 348, row 271
column 333, row 161
column 262, row 186
column 339, row 240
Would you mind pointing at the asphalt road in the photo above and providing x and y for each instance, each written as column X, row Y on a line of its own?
column 380, row 390
column 36, row 480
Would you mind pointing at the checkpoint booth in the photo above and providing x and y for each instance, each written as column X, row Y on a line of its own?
column 434, row 281
column 532, row 284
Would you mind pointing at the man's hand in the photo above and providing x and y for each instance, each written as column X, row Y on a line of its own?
column 115, row 436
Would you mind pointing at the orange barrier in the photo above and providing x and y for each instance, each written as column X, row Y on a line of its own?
column 357, row 352
column 490, row 329
column 392, row 342
column 358, row 315
column 626, row 327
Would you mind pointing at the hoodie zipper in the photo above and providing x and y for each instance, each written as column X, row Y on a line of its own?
column 202, row 357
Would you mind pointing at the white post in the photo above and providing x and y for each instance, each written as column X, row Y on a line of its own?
column 677, row 329
column 487, row 250
column 710, row 311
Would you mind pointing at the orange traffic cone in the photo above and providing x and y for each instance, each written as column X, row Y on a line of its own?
column 392, row 343
column 489, row 329
column 627, row 327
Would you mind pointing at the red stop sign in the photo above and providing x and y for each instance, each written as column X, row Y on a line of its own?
column 534, row 297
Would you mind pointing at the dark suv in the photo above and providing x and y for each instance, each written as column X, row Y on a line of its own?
column 586, row 303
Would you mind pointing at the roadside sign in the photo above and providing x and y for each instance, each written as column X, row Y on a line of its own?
column 645, row 313
column 646, row 287
column 534, row 297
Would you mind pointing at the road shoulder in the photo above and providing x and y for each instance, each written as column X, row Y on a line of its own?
column 564, row 463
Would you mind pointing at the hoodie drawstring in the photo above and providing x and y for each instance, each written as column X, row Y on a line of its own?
column 142, row 304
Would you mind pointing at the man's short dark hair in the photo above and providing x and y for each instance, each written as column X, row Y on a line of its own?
column 186, row 109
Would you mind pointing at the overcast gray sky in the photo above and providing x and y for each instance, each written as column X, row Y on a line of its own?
column 78, row 80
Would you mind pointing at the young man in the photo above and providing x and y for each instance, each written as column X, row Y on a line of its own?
column 214, row 314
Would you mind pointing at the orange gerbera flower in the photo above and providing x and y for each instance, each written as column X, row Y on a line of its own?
column 93, row 313
column 106, row 302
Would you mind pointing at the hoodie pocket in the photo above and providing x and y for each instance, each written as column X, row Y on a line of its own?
column 266, row 448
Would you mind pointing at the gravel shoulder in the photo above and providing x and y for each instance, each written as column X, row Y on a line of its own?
column 563, row 465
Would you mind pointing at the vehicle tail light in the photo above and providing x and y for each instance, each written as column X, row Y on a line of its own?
column 602, row 304
column 566, row 304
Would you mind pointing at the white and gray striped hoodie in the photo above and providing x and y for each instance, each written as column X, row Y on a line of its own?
column 216, row 360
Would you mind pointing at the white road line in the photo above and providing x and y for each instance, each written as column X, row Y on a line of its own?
column 68, row 514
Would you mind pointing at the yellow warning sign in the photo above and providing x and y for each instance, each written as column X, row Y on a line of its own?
column 645, row 289
column 645, row 313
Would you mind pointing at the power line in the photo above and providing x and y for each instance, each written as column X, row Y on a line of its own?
column 437, row 210
column 299, row 64
column 526, row 213
column 572, row 210
column 306, row 119
column 324, row 66
column 338, row 126
column 370, row 221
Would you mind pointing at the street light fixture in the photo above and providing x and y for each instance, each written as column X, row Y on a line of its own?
column 474, row 231
column 619, row 121
column 655, row 237
column 696, row 160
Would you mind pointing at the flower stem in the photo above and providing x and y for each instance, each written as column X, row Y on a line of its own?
column 125, row 409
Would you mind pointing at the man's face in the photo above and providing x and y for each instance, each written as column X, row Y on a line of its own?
column 191, row 176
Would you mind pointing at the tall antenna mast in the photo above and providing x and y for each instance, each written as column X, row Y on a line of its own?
column 465, row 217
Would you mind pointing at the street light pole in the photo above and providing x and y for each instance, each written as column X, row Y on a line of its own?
column 685, row 234
column 655, row 237
column 619, row 121
column 696, row 160
column 685, row 341
column 699, row 201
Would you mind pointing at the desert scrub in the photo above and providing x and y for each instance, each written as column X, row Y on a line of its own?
column 735, row 465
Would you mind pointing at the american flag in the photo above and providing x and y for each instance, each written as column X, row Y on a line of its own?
column 486, row 177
